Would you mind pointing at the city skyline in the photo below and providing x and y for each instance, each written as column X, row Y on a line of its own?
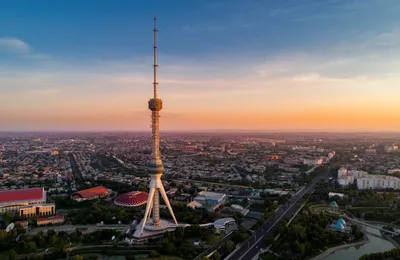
column 260, row 66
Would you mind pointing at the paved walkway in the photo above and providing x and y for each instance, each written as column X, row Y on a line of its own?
column 333, row 249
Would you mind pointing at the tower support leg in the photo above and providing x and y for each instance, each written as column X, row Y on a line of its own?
column 149, row 204
column 165, row 197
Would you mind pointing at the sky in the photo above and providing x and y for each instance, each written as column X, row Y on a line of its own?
column 263, row 65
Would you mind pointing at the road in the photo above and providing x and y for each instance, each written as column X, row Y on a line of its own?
column 69, row 228
column 214, row 247
column 215, row 183
column 252, row 246
column 75, row 170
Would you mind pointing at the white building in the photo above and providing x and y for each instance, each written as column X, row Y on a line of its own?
column 378, row 182
column 210, row 198
column 367, row 181
column 333, row 194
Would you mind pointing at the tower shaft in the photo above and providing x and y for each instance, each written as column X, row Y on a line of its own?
column 155, row 166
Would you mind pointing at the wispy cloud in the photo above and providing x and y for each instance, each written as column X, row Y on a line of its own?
column 14, row 45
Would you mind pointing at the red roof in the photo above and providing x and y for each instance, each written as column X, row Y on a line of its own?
column 88, row 193
column 21, row 223
column 21, row 195
column 132, row 199
column 56, row 217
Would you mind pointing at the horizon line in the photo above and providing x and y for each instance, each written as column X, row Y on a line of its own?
column 250, row 131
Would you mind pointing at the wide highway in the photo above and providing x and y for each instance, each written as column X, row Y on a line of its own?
column 251, row 247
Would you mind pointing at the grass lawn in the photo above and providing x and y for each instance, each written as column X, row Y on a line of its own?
column 213, row 239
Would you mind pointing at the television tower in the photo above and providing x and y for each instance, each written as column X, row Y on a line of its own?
column 155, row 165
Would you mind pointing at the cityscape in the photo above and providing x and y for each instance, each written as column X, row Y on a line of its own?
column 87, row 172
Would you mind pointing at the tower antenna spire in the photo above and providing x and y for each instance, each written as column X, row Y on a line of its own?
column 155, row 83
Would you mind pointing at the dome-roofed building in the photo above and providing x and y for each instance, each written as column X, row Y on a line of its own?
column 131, row 199
column 339, row 226
column 341, row 221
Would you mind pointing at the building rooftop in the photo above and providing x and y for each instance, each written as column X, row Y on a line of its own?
column 95, row 191
column 22, row 195
column 220, row 223
column 50, row 218
column 132, row 199
column 210, row 195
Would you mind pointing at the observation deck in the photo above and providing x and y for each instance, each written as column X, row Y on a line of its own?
column 155, row 104
column 155, row 168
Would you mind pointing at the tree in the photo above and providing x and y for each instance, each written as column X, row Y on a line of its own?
column 238, row 217
column 154, row 254
column 7, row 218
column 215, row 256
column 269, row 240
column 180, row 232
column 168, row 248
column 12, row 255
column 229, row 246
column 31, row 247
column 51, row 232
column 3, row 234
column 130, row 257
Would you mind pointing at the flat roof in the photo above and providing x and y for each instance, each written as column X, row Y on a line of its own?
column 50, row 218
column 21, row 195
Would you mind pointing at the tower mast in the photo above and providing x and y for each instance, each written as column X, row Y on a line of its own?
column 155, row 83
column 155, row 165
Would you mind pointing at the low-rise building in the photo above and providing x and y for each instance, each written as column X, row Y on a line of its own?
column 37, row 210
column 313, row 161
column 43, row 221
column 91, row 194
column 240, row 209
column 22, row 223
column 210, row 198
column 334, row 194
column 13, row 200
column 194, row 204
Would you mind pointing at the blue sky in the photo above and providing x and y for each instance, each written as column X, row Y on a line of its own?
column 61, row 55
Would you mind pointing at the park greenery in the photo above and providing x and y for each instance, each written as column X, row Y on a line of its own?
column 188, row 215
column 385, row 214
column 103, row 212
column 391, row 254
column 354, row 197
column 181, row 242
column 51, row 243
column 307, row 235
